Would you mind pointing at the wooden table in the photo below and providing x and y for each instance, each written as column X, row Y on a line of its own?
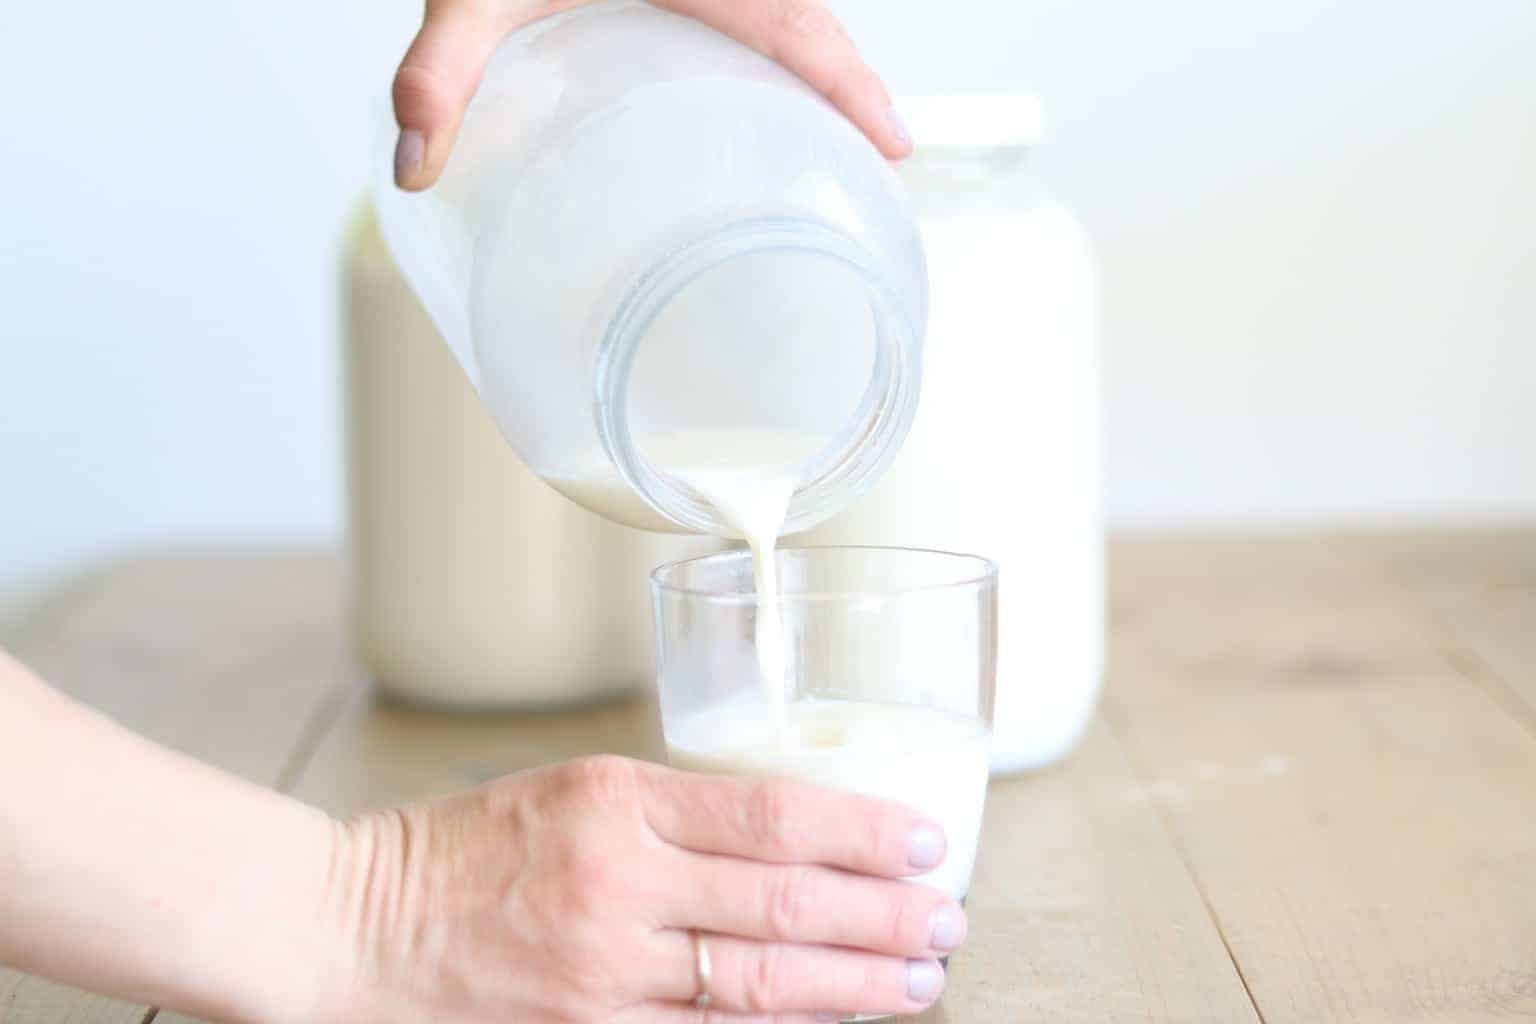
column 1311, row 794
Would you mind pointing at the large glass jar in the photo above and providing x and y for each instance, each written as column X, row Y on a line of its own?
column 1004, row 458
column 474, row 584
column 649, row 230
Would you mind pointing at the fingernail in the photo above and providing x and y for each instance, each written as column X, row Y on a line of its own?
column 898, row 126
column 409, row 152
column 949, row 928
column 925, row 980
column 925, row 847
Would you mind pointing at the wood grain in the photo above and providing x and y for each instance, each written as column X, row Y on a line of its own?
column 28, row 1000
column 1081, row 909
column 233, row 658
column 1480, row 586
column 1356, row 810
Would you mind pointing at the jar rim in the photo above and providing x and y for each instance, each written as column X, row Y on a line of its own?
column 854, row 458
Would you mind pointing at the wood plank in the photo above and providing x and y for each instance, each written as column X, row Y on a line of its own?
column 1081, row 909
column 28, row 1000
column 1494, row 632
column 381, row 753
column 1481, row 589
column 1491, row 557
column 231, row 658
column 1291, row 604
column 1183, row 565
column 224, row 656
column 1355, row 810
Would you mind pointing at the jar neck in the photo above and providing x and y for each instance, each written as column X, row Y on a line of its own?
column 853, row 458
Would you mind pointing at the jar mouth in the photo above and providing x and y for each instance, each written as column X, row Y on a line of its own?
column 854, row 456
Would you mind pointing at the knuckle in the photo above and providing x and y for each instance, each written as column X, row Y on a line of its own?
column 808, row 38
column 419, row 95
column 882, row 983
column 588, row 881
column 822, row 74
column 807, row 19
column 769, row 808
column 791, row 902
column 581, row 984
column 846, row 82
column 605, row 779
column 765, row 983
column 907, row 914
column 871, row 833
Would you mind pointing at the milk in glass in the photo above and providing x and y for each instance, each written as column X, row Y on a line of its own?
column 929, row 759
column 933, row 761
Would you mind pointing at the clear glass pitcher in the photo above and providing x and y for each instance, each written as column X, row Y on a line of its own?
column 648, row 230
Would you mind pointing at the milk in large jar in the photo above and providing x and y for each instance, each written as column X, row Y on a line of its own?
column 1004, row 455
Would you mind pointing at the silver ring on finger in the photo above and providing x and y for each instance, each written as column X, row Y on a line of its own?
column 701, row 970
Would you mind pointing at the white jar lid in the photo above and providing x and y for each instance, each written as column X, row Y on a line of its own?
column 974, row 119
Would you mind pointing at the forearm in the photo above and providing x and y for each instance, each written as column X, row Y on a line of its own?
column 129, row 868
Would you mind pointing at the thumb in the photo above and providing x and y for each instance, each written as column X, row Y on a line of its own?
column 436, row 79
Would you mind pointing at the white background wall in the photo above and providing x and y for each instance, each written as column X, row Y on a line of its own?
column 1317, row 223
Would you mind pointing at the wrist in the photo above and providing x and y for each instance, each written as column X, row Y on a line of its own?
column 363, row 909
column 297, row 956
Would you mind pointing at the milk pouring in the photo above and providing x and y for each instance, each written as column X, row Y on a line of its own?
column 693, row 244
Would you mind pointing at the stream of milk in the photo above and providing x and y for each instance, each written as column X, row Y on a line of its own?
column 749, row 480
column 749, row 477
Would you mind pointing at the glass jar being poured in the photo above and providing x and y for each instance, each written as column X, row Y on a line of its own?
column 659, row 256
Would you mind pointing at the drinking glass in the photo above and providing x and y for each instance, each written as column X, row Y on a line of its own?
column 889, row 669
